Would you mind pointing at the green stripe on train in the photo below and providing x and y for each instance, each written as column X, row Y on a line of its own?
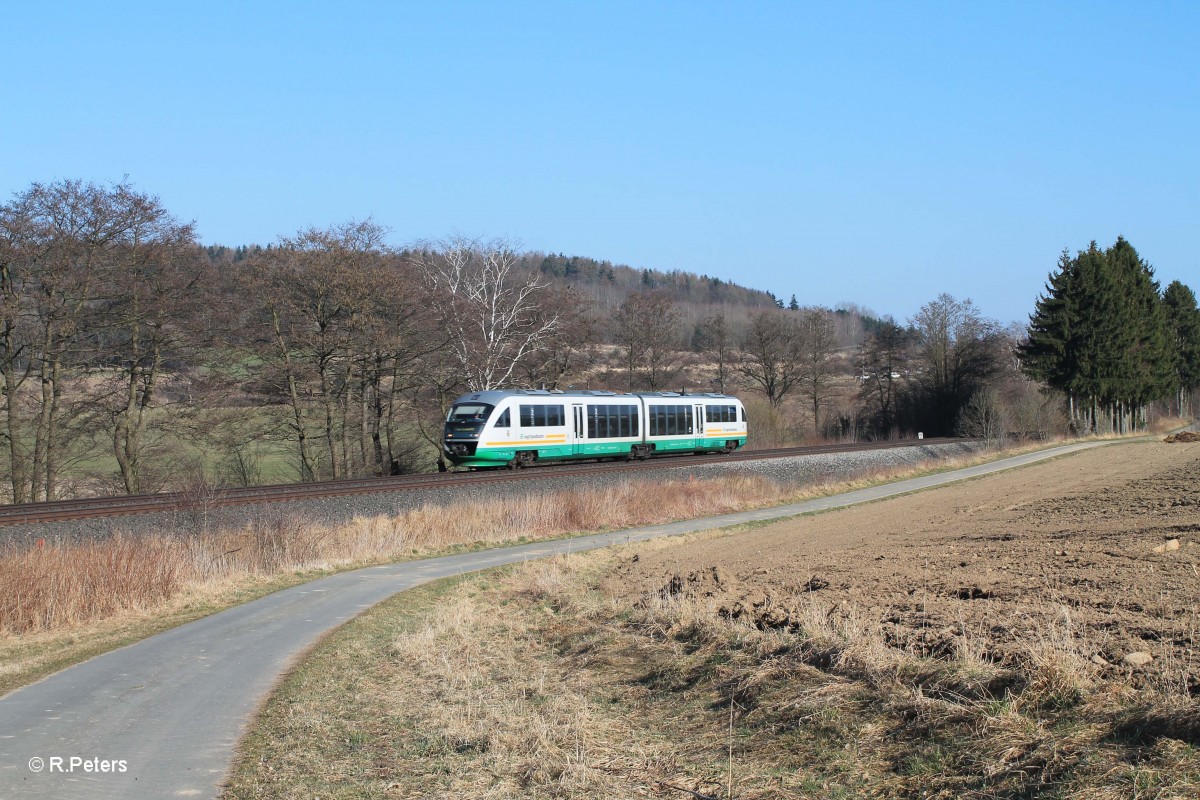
column 499, row 456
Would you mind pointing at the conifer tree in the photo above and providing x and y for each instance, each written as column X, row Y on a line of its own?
column 1100, row 335
column 1048, row 353
column 1183, row 331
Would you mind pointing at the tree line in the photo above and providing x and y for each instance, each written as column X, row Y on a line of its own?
column 1106, row 337
column 120, row 332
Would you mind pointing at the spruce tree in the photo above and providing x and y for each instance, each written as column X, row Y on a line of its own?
column 1046, row 353
column 1093, row 372
column 1183, row 331
column 1142, row 356
column 1100, row 335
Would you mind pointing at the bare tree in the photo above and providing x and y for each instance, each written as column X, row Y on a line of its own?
column 958, row 350
column 984, row 417
column 818, row 340
column 772, row 354
column 646, row 327
column 59, row 243
column 883, row 360
column 397, row 337
column 491, row 314
column 149, row 295
column 15, row 364
column 569, row 349
column 317, row 294
column 715, row 339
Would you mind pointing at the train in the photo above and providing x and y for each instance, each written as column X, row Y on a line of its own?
column 519, row 428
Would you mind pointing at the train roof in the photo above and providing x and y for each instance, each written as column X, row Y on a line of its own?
column 494, row 396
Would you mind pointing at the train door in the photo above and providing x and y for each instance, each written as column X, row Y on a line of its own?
column 698, row 427
column 577, row 437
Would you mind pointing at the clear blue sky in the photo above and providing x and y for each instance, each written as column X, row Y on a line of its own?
column 878, row 153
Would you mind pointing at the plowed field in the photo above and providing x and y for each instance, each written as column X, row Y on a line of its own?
column 1104, row 545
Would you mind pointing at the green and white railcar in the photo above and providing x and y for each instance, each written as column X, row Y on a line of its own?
column 517, row 428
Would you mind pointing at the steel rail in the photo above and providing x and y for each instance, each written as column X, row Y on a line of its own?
column 98, row 507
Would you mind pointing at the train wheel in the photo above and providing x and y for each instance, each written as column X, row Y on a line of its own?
column 522, row 458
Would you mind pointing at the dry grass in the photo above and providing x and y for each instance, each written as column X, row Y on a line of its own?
column 48, row 587
column 531, row 683
column 60, row 603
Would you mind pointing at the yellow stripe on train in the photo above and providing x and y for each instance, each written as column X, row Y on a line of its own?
column 548, row 440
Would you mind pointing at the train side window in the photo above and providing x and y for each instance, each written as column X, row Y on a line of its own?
column 669, row 420
column 542, row 416
column 611, row 421
column 503, row 420
column 597, row 422
column 743, row 413
column 715, row 414
column 720, row 413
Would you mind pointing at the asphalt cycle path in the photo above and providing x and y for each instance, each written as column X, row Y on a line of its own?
column 161, row 718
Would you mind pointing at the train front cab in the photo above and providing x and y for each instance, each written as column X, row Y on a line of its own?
column 519, row 430
column 464, row 427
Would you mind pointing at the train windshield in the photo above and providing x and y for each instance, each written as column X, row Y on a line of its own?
column 469, row 412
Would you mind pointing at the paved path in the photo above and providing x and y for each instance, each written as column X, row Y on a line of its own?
column 167, row 712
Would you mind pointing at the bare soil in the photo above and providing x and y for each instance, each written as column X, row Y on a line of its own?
column 1107, row 540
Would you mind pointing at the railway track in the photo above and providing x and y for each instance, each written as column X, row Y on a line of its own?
column 65, row 510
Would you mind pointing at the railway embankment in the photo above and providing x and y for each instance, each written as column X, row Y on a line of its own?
column 204, row 511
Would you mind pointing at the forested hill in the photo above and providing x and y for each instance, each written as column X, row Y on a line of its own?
column 599, row 277
column 607, row 283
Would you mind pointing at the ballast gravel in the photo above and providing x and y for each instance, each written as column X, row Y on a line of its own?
column 795, row 471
